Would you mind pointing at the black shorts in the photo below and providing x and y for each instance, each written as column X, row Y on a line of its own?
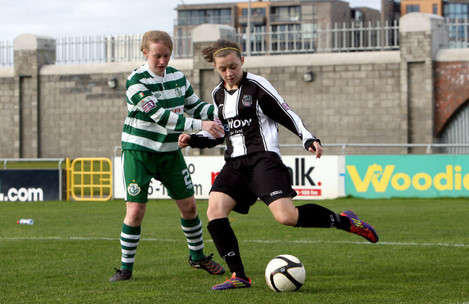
column 260, row 175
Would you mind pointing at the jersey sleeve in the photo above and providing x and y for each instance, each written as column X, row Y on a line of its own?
column 143, row 103
column 203, row 140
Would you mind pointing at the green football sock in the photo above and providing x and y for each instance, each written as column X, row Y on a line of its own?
column 193, row 231
column 130, row 237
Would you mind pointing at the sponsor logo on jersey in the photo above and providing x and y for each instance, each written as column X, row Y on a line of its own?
column 247, row 101
column 133, row 189
column 148, row 104
column 239, row 123
column 178, row 110
column 285, row 106
column 157, row 95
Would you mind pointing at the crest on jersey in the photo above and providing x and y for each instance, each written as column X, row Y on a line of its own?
column 133, row 189
column 178, row 91
column 247, row 100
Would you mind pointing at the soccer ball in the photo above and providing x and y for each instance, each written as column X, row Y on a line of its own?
column 285, row 273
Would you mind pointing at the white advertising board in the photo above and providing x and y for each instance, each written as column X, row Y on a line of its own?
column 312, row 178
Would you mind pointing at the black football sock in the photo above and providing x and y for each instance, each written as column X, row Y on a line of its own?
column 312, row 215
column 344, row 223
column 227, row 245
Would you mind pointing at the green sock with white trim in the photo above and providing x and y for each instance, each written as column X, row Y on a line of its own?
column 193, row 231
column 130, row 236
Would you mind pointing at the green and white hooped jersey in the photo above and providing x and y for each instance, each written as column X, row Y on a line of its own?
column 156, row 107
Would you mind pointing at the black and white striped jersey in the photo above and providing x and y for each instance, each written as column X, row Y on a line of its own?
column 250, row 117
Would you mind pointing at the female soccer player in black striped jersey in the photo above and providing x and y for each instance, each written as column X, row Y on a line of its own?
column 249, row 108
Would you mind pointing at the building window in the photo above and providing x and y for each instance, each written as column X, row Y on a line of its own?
column 285, row 13
column 194, row 17
column 435, row 9
column 308, row 13
column 413, row 8
column 225, row 12
column 254, row 11
column 456, row 10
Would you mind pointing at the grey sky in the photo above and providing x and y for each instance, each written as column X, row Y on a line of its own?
column 62, row 18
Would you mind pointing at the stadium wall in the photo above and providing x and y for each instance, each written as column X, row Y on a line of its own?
column 73, row 111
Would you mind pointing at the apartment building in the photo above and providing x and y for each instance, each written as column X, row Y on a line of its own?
column 452, row 9
column 270, row 18
column 390, row 10
column 422, row 6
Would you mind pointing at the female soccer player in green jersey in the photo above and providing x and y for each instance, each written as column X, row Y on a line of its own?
column 158, row 96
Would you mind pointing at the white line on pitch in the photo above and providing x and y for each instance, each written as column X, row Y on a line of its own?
column 80, row 238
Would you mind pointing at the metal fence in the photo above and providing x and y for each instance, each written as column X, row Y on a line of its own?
column 99, row 49
column 323, row 38
column 339, row 37
column 6, row 53
column 361, row 149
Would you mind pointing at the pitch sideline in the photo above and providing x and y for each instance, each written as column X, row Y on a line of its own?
column 79, row 238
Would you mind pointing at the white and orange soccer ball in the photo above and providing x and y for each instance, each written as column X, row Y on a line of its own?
column 285, row 273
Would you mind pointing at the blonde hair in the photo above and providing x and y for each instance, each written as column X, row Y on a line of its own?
column 155, row 37
column 220, row 48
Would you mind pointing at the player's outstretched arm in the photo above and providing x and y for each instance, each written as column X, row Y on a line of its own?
column 214, row 128
column 316, row 148
column 183, row 140
column 200, row 140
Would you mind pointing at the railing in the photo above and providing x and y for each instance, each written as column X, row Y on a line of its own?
column 6, row 53
column 100, row 49
column 429, row 148
column 434, row 148
column 182, row 47
column 340, row 37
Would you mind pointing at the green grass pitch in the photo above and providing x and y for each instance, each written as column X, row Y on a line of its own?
column 68, row 255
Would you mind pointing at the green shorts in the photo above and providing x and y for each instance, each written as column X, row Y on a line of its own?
column 170, row 168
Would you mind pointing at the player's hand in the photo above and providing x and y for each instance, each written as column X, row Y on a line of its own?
column 214, row 128
column 318, row 148
column 183, row 140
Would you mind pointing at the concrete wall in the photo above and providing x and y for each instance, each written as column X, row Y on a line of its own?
column 365, row 97
column 352, row 98
column 9, row 117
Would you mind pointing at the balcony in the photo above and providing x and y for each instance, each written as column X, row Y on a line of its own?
column 202, row 20
column 285, row 18
column 255, row 20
